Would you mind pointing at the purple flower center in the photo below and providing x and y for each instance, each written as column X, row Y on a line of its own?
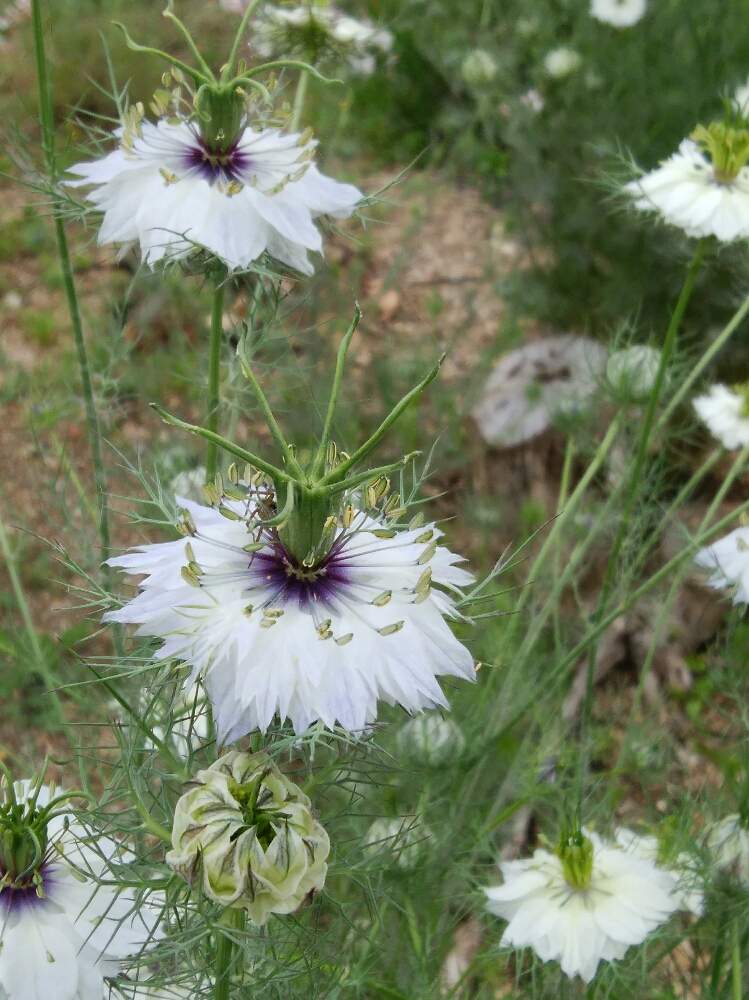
column 293, row 582
column 19, row 898
column 214, row 166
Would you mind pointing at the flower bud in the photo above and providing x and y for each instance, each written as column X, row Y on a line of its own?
column 561, row 62
column 479, row 68
column 632, row 372
column 245, row 833
column 404, row 838
column 431, row 741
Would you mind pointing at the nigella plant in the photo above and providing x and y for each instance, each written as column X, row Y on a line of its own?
column 301, row 591
column 215, row 181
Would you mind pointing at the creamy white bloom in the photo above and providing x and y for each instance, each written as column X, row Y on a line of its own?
column 431, row 740
column 164, row 189
column 63, row 943
column 562, row 61
column 728, row 841
column 632, row 371
column 245, row 832
column 322, row 642
column 402, row 839
column 319, row 32
column 533, row 100
column 728, row 559
column 686, row 884
column 626, row 899
column 618, row 13
column 723, row 411
column 478, row 68
column 686, row 193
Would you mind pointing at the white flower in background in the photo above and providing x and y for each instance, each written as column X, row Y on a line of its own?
column 702, row 189
column 728, row 559
column 618, row 13
column 687, row 887
column 725, row 413
column 478, row 68
column 325, row 641
column 533, row 100
column 561, row 62
column 317, row 32
column 189, row 483
column 741, row 99
column 587, row 903
column 632, row 371
column 165, row 188
column 728, row 841
column 246, row 833
column 402, row 839
column 60, row 934
column 431, row 740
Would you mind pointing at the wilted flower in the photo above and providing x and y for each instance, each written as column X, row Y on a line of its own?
column 728, row 558
column 632, row 371
column 319, row 32
column 403, row 839
column 728, row 841
column 479, row 68
column 704, row 188
column 245, row 834
column 431, row 740
column 618, row 13
column 208, row 176
column 725, row 412
column 60, row 933
column 586, row 903
column 562, row 62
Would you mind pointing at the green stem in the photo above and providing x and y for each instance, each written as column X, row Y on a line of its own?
column 92, row 422
column 232, row 60
column 226, row 964
column 299, row 99
column 695, row 372
column 273, row 426
column 634, row 483
column 42, row 666
column 737, row 987
column 319, row 462
column 214, row 378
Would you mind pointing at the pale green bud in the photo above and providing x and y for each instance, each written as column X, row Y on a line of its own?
column 479, row 68
column 402, row 839
column 246, row 834
column 430, row 740
column 632, row 372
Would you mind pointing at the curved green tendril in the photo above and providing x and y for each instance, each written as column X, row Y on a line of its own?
column 196, row 75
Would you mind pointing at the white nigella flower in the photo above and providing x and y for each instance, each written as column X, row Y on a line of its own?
column 60, row 935
column 725, row 413
column 165, row 188
column 702, row 189
column 320, row 32
column 686, row 884
column 728, row 559
column 404, row 839
column 206, row 176
column 586, row 903
column 728, row 841
column 561, row 62
column 271, row 636
column 246, row 833
column 632, row 371
column 431, row 740
column 618, row 13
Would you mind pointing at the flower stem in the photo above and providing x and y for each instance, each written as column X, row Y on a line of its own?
column 630, row 498
column 92, row 422
column 226, row 964
column 737, row 990
column 299, row 99
column 214, row 378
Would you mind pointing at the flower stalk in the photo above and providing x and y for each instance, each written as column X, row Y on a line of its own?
column 214, row 376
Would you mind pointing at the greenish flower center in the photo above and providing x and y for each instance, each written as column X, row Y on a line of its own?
column 23, row 844
column 575, row 852
column 727, row 147
column 256, row 813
